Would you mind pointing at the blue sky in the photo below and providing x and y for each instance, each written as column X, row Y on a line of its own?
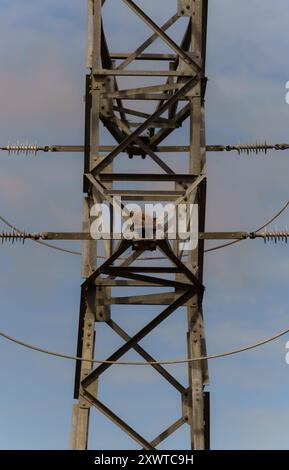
column 42, row 57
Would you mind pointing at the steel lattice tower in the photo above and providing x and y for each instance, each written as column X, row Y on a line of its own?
column 179, row 96
column 140, row 99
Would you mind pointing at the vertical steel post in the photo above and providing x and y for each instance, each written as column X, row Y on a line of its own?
column 198, row 374
column 88, row 296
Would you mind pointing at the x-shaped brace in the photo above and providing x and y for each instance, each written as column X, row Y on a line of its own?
column 187, row 290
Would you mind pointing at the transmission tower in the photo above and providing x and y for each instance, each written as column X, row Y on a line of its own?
column 177, row 95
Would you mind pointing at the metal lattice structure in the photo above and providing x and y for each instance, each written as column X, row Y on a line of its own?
column 178, row 96
column 142, row 98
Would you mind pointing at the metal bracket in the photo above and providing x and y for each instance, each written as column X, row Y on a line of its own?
column 98, row 83
column 106, row 104
column 102, row 312
column 186, row 7
column 186, row 405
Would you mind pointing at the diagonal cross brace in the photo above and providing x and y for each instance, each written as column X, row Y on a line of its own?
column 146, row 19
column 115, row 419
column 160, row 369
column 147, row 43
column 138, row 337
column 143, row 127
column 124, row 245
column 168, row 432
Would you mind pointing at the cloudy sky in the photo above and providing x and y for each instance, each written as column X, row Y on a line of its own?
column 42, row 54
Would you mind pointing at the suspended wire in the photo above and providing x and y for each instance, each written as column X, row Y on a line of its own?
column 78, row 253
column 219, row 247
column 152, row 363
column 280, row 212
column 49, row 245
column 273, row 218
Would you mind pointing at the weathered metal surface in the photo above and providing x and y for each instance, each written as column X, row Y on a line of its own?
column 181, row 97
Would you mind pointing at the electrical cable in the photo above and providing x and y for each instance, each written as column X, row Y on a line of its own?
column 49, row 245
column 132, row 363
column 219, row 247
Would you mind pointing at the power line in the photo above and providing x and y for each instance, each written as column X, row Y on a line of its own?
column 136, row 363
column 280, row 212
column 219, row 247
column 48, row 245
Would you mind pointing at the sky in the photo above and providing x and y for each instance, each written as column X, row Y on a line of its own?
column 42, row 54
